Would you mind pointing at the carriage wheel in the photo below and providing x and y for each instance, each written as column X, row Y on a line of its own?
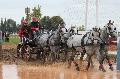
column 27, row 53
column 19, row 50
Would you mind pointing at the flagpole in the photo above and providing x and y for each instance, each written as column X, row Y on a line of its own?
column 86, row 15
column 97, row 13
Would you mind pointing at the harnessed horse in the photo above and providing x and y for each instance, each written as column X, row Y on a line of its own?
column 76, row 43
column 102, row 37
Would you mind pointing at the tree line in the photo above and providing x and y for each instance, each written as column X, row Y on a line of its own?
column 47, row 22
column 8, row 25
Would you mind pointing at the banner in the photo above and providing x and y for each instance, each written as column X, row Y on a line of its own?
column 118, row 53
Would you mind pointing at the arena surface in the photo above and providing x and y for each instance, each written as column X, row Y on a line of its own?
column 13, row 68
column 56, row 71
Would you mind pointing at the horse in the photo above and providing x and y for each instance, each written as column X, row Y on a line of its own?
column 75, row 42
column 100, row 47
column 49, row 43
column 42, row 45
column 54, row 44
column 108, row 30
column 91, row 48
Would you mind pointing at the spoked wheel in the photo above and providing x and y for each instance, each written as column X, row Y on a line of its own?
column 27, row 53
column 19, row 51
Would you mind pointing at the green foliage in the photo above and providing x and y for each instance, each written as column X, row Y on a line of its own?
column 36, row 12
column 46, row 22
column 51, row 23
column 82, row 28
column 8, row 25
column 13, row 40
column 55, row 21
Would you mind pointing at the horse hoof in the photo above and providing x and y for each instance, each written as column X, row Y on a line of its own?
column 102, row 69
column 81, row 58
column 78, row 69
column 68, row 67
column 111, row 68
column 87, row 69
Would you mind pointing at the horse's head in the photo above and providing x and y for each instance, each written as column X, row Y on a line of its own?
column 96, row 32
column 64, row 35
column 56, row 34
column 111, row 29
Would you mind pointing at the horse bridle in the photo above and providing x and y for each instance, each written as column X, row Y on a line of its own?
column 96, row 39
column 109, row 29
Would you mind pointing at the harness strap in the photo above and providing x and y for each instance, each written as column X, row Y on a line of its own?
column 82, row 40
column 49, row 38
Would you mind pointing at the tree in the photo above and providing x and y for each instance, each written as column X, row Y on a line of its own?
column 36, row 12
column 11, row 26
column 5, row 24
column 2, row 24
column 27, row 12
column 82, row 28
column 8, row 25
column 55, row 21
column 46, row 22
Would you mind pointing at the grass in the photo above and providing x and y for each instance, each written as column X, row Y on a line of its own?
column 13, row 40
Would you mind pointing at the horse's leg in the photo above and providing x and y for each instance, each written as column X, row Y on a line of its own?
column 77, row 66
column 57, row 57
column 69, row 63
column 71, row 59
column 66, row 56
column 53, row 57
column 109, row 63
column 101, row 67
column 82, row 54
column 75, row 63
column 89, row 59
column 53, row 54
column 38, row 54
column 43, row 57
column 56, row 53
column 91, row 62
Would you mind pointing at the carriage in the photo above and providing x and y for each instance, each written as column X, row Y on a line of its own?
column 92, row 38
column 39, row 46
column 27, row 49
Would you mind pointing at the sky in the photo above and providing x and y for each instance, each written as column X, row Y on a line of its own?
column 72, row 11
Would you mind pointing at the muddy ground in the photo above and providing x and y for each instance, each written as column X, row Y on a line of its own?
column 35, row 70
column 9, row 56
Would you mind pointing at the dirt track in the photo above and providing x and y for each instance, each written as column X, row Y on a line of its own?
column 34, row 70
column 61, row 72
column 7, row 46
column 9, row 56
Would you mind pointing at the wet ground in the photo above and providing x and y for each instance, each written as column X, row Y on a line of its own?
column 13, row 68
column 56, row 71
column 64, row 73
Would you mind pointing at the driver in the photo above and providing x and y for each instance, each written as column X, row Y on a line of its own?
column 24, row 31
column 35, row 27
